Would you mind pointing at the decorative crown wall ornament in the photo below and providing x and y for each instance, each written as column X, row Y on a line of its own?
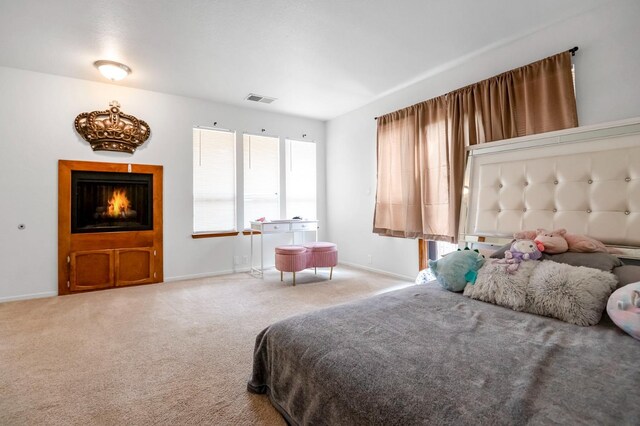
column 112, row 130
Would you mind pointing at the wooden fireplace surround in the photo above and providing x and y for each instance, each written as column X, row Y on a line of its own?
column 95, row 261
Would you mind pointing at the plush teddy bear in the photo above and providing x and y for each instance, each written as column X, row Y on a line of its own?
column 456, row 269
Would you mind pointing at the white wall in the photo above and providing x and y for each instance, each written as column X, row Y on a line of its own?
column 607, row 88
column 36, row 130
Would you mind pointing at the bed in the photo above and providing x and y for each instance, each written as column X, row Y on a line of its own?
column 423, row 355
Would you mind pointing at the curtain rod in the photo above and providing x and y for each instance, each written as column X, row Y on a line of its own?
column 573, row 51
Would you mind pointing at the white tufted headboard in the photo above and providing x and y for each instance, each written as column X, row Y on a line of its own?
column 586, row 180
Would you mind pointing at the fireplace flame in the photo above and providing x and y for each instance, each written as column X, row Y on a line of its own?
column 118, row 204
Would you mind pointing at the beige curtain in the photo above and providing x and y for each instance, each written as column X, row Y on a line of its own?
column 421, row 149
column 412, row 190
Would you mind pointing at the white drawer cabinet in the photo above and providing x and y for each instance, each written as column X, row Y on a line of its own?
column 304, row 226
column 275, row 227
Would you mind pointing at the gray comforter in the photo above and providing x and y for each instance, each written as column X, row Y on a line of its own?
column 423, row 355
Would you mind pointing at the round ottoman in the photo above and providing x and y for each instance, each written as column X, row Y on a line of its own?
column 291, row 259
column 323, row 254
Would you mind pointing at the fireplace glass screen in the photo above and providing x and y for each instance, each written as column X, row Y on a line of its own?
column 109, row 202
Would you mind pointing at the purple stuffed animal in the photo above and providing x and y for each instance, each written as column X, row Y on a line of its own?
column 520, row 251
column 524, row 250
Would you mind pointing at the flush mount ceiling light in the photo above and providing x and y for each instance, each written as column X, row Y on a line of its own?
column 114, row 71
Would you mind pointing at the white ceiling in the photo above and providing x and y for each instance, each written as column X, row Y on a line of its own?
column 319, row 58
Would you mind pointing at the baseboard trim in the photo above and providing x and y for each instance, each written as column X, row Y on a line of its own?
column 209, row 274
column 205, row 275
column 166, row 280
column 28, row 296
column 378, row 271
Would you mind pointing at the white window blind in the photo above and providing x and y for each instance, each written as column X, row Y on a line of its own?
column 261, row 178
column 301, row 179
column 214, row 181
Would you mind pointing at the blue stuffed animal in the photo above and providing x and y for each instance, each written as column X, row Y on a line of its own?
column 456, row 269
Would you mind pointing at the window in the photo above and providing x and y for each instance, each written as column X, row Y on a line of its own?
column 261, row 178
column 433, row 250
column 214, row 181
column 442, row 248
column 218, row 185
column 301, row 179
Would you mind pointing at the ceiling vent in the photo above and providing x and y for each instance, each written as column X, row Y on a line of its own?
column 258, row 98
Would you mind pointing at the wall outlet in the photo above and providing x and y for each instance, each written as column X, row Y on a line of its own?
column 245, row 260
column 369, row 260
column 236, row 260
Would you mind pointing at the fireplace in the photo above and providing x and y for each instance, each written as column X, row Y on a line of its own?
column 111, row 201
column 109, row 225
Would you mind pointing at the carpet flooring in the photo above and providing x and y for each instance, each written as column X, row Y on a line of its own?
column 172, row 353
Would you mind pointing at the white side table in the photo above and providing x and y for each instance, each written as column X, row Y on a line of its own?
column 278, row 227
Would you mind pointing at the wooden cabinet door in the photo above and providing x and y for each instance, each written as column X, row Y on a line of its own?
column 91, row 270
column 134, row 266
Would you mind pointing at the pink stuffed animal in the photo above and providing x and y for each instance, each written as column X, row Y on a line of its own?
column 559, row 241
column 554, row 242
column 584, row 244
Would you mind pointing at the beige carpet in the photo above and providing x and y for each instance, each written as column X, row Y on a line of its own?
column 174, row 353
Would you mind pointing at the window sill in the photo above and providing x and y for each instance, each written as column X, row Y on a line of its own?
column 213, row 234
